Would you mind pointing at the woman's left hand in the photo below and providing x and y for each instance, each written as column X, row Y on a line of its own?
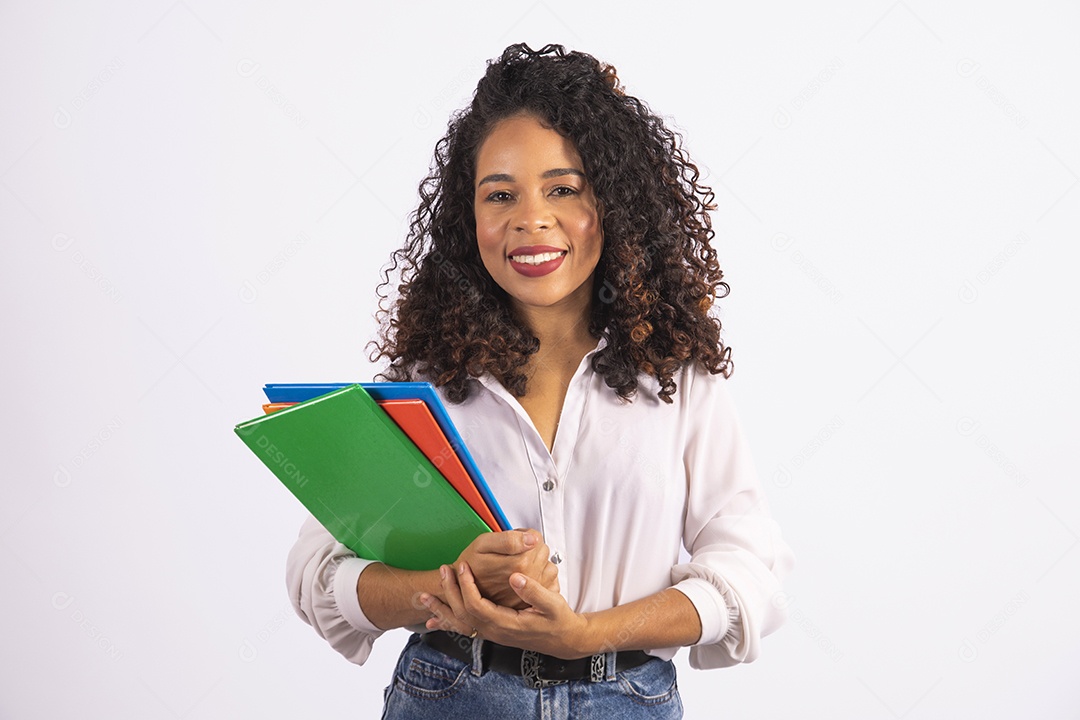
column 548, row 625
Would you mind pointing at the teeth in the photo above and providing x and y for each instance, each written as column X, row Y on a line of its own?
column 536, row 259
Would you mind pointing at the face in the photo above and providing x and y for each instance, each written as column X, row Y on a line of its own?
column 536, row 219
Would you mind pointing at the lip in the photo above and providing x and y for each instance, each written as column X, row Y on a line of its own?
column 537, row 270
column 534, row 250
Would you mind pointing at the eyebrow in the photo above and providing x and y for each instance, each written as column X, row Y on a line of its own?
column 554, row 172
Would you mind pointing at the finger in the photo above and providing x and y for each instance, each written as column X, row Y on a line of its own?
column 549, row 577
column 442, row 616
column 535, row 593
column 508, row 542
column 452, row 594
column 479, row 609
column 450, row 615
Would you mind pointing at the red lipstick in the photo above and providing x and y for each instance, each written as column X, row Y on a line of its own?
column 537, row 270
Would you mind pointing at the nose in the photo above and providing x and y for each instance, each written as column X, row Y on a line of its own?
column 533, row 214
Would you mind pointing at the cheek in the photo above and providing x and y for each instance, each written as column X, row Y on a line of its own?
column 586, row 228
column 485, row 233
column 487, row 227
column 488, row 240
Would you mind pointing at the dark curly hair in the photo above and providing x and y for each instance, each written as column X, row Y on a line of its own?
column 657, row 277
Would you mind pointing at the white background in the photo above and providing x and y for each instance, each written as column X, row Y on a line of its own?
column 196, row 198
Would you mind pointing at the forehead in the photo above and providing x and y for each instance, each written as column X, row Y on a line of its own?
column 522, row 141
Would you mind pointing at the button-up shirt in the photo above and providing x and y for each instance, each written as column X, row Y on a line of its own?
column 634, row 497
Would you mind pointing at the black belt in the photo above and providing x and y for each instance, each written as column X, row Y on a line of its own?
column 536, row 667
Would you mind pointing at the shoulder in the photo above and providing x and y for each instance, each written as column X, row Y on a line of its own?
column 697, row 380
column 695, row 387
column 697, row 391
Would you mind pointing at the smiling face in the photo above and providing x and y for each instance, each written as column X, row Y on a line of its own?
column 537, row 226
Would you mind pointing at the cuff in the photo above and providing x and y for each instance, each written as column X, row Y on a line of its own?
column 345, row 596
column 711, row 609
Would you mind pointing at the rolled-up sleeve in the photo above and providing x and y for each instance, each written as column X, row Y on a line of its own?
column 321, row 576
column 737, row 555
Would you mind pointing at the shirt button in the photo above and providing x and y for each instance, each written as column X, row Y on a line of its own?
column 556, row 558
column 549, row 484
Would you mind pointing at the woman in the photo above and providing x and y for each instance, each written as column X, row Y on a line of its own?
column 557, row 288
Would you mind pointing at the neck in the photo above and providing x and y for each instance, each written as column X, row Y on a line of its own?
column 563, row 333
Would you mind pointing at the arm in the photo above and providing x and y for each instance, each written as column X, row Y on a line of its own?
column 722, row 616
column 321, row 575
column 350, row 601
column 737, row 555
column 663, row 619
column 548, row 625
column 391, row 596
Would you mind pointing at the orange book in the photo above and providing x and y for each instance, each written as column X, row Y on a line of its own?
column 414, row 418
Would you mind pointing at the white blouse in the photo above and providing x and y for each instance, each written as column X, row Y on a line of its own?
column 625, row 487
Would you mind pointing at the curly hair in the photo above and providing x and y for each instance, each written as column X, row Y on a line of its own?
column 657, row 278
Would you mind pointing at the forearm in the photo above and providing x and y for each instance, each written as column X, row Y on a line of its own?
column 664, row 619
column 389, row 596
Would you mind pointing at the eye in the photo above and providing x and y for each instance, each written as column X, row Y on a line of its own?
column 499, row 196
column 564, row 191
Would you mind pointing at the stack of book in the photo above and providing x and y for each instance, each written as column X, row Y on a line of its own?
column 380, row 465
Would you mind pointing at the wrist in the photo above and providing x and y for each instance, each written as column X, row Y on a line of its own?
column 426, row 581
column 423, row 582
column 390, row 597
column 591, row 638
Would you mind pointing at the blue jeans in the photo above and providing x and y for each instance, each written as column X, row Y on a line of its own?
column 429, row 684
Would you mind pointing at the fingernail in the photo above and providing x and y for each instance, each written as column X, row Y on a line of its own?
column 461, row 569
column 529, row 540
column 518, row 581
column 442, row 571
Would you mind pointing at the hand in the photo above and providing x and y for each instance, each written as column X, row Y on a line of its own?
column 547, row 625
column 494, row 557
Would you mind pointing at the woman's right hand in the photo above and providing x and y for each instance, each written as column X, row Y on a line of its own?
column 495, row 556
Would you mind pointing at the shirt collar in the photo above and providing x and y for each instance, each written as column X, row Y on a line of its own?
column 491, row 383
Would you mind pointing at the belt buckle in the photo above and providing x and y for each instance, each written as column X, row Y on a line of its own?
column 598, row 668
column 531, row 668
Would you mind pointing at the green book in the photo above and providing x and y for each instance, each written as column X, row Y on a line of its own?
column 362, row 477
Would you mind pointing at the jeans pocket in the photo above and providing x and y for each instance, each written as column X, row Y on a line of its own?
column 652, row 683
column 427, row 673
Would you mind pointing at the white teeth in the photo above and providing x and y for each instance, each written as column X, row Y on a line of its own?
column 536, row 259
